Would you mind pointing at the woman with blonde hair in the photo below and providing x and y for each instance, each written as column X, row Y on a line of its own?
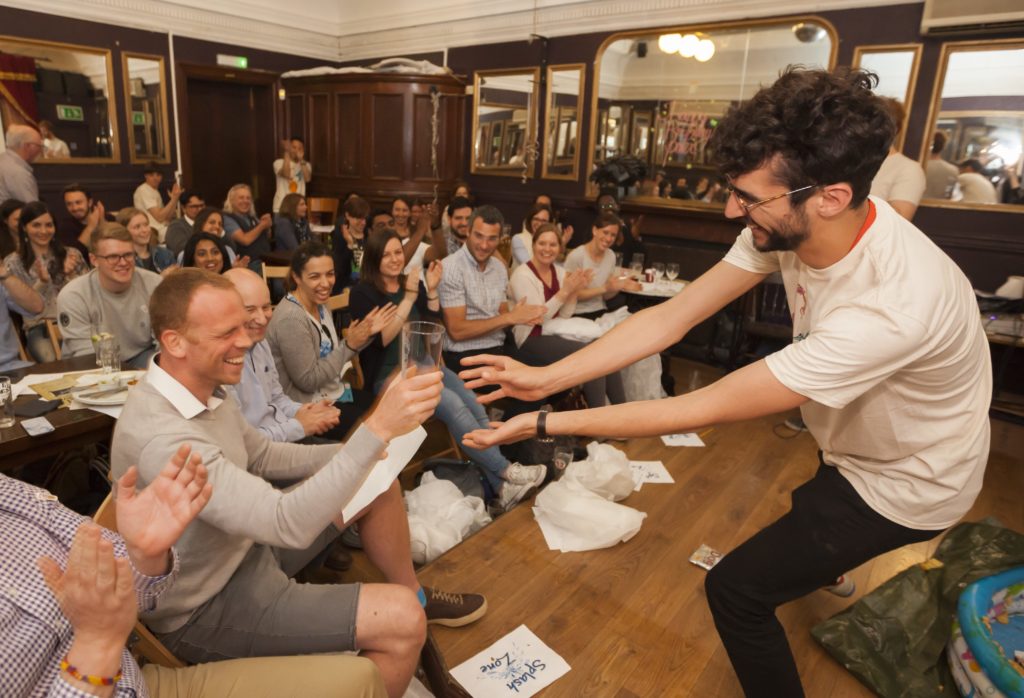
column 148, row 255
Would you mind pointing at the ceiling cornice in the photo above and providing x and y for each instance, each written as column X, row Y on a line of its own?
column 421, row 31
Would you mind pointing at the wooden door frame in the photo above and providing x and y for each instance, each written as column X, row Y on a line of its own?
column 183, row 72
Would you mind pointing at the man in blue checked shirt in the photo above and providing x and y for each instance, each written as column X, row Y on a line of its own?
column 70, row 593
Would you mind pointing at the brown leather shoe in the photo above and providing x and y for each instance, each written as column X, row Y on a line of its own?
column 453, row 610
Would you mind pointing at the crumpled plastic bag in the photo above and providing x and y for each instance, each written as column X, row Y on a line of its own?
column 605, row 472
column 440, row 517
column 894, row 638
column 575, row 519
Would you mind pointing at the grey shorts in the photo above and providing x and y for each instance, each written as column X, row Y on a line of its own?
column 262, row 612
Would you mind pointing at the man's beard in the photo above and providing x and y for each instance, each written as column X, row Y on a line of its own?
column 785, row 237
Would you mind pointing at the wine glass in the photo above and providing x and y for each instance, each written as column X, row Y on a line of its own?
column 636, row 269
column 672, row 271
column 637, row 259
column 659, row 270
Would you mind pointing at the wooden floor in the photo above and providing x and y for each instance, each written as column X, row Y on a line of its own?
column 632, row 620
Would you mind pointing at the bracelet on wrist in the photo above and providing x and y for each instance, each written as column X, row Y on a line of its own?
column 74, row 673
column 542, row 431
column 432, row 298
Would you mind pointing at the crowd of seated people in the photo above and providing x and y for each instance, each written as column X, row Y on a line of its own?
column 260, row 394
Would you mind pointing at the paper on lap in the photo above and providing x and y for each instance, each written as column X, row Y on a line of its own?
column 400, row 452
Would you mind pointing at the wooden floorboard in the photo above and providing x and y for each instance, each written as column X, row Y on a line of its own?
column 632, row 620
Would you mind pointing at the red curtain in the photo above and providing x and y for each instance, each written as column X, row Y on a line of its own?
column 17, row 85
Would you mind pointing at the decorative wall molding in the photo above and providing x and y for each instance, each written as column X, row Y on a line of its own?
column 329, row 35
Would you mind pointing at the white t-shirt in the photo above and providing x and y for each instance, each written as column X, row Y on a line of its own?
column 145, row 198
column 977, row 188
column 288, row 185
column 899, row 179
column 889, row 347
column 579, row 258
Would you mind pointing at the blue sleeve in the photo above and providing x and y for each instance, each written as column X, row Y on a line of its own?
column 284, row 234
column 519, row 251
column 230, row 225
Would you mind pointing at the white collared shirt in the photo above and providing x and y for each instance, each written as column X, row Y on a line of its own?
column 187, row 404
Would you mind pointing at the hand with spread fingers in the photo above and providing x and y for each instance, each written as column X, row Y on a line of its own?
column 520, row 427
column 152, row 520
column 515, row 379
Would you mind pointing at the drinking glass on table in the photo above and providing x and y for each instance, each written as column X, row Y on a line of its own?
column 618, row 260
column 636, row 259
column 672, row 271
column 109, row 354
column 6, row 402
column 421, row 346
column 636, row 270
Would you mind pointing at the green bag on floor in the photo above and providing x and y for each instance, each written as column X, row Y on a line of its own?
column 893, row 639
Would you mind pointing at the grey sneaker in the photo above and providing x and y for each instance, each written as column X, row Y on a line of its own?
column 796, row 424
column 511, row 494
column 519, row 474
column 453, row 610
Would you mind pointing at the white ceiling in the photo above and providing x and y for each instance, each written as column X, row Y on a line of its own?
column 342, row 30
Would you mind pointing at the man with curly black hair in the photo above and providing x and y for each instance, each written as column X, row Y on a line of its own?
column 889, row 363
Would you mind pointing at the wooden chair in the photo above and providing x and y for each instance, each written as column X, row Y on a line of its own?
column 22, row 354
column 143, row 642
column 271, row 272
column 53, row 330
column 322, row 210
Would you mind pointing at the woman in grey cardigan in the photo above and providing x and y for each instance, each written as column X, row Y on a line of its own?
column 307, row 350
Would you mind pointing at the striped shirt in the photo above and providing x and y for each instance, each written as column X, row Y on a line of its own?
column 34, row 633
column 480, row 292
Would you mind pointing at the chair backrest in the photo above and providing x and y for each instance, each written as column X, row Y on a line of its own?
column 322, row 210
column 146, row 644
column 53, row 330
column 338, row 302
column 270, row 272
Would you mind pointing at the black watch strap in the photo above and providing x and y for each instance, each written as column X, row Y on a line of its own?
column 542, row 417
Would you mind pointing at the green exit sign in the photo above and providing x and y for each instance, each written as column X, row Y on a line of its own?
column 69, row 112
column 138, row 118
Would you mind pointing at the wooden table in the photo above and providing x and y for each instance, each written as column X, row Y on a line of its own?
column 72, row 428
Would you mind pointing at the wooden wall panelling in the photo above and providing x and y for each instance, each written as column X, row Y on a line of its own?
column 295, row 117
column 422, row 135
column 348, row 127
column 387, row 135
column 318, row 147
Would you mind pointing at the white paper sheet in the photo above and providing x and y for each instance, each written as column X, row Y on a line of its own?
column 519, row 664
column 400, row 452
column 109, row 410
column 682, row 440
column 22, row 386
column 649, row 471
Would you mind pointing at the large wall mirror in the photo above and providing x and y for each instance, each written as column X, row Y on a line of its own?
column 504, row 121
column 563, row 108
column 660, row 94
column 65, row 90
column 974, row 153
column 145, row 102
column 896, row 67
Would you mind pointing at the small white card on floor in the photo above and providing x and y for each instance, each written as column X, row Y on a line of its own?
column 649, row 471
column 682, row 440
column 400, row 452
column 518, row 664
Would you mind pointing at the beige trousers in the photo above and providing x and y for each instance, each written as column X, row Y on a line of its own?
column 306, row 676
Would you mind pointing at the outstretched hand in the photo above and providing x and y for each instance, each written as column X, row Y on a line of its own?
column 152, row 520
column 515, row 379
column 520, row 427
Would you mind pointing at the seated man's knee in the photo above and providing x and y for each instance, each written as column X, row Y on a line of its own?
column 391, row 618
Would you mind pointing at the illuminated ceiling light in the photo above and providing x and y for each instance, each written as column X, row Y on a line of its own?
column 688, row 45
column 705, row 50
column 669, row 43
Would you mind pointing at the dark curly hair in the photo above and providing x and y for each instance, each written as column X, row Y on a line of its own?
column 811, row 127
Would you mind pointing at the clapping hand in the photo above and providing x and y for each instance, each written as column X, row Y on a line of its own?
column 434, row 273
column 526, row 314
column 317, row 417
column 242, row 262
column 577, row 280
column 360, row 331
column 412, row 281
column 152, row 520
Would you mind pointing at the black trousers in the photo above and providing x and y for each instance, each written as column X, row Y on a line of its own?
column 828, row 531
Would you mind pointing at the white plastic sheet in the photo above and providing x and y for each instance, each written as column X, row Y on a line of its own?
column 440, row 517
column 579, row 511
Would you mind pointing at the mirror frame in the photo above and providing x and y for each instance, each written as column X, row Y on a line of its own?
column 127, row 86
column 551, row 136
column 531, row 123
column 591, row 188
column 908, row 98
column 933, row 112
column 115, row 157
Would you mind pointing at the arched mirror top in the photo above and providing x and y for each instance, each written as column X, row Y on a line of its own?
column 660, row 92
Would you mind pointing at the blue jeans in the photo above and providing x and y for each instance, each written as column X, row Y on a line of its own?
column 461, row 413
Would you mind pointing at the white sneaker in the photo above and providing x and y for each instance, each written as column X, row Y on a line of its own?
column 525, row 474
column 796, row 424
column 844, row 587
column 511, row 494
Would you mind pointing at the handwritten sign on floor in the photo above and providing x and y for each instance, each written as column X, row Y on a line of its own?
column 645, row 471
column 518, row 664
